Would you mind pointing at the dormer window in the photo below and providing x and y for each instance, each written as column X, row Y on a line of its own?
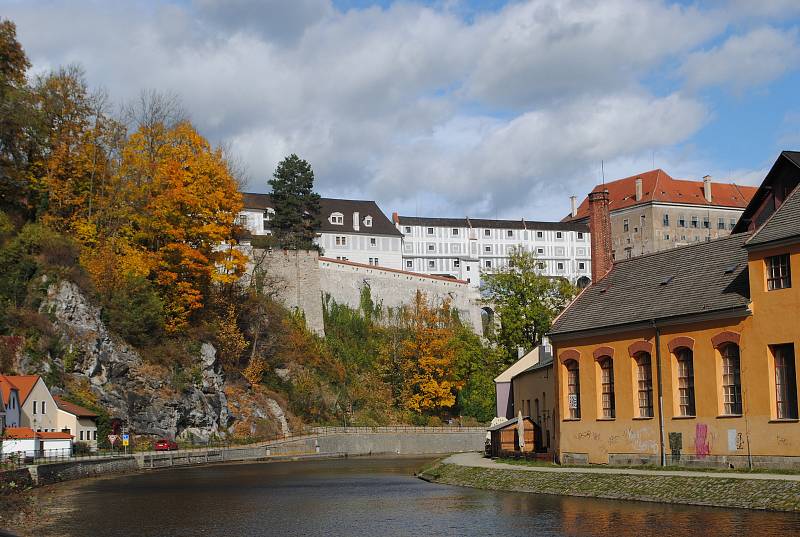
column 368, row 221
column 337, row 219
column 268, row 215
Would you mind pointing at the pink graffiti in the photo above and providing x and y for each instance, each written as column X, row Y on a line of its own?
column 701, row 447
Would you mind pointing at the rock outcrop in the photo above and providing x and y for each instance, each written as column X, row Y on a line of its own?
column 128, row 387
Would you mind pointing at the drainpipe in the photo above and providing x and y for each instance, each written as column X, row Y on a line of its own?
column 660, row 394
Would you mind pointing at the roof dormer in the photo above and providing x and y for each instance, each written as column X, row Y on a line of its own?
column 336, row 219
column 368, row 221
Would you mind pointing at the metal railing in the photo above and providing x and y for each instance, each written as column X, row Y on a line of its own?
column 326, row 430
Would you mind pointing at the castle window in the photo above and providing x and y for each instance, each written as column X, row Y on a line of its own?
column 607, row 384
column 685, row 382
column 573, row 389
column 337, row 219
column 778, row 272
column 785, row 382
column 644, row 376
column 731, row 380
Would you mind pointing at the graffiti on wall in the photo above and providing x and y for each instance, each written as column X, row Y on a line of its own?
column 701, row 445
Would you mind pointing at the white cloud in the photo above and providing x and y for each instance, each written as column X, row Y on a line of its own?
column 504, row 113
column 742, row 61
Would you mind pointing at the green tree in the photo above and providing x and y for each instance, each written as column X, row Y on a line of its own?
column 296, row 204
column 525, row 300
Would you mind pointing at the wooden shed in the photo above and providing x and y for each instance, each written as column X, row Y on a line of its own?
column 505, row 436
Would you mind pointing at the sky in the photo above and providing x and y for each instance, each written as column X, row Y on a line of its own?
column 452, row 108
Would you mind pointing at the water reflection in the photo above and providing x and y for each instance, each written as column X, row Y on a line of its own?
column 359, row 497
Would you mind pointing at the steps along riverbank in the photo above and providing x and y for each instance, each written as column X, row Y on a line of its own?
column 748, row 491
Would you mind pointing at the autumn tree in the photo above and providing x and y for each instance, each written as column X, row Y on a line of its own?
column 429, row 357
column 18, row 122
column 525, row 300
column 296, row 204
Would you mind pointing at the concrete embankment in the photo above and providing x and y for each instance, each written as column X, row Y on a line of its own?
column 748, row 491
column 330, row 443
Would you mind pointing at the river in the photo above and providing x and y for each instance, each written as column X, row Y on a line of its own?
column 352, row 498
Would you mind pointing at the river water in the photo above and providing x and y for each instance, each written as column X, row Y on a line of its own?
column 357, row 497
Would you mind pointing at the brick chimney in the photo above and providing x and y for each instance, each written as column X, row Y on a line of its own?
column 707, row 187
column 573, row 202
column 638, row 189
column 395, row 217
column 600, row 228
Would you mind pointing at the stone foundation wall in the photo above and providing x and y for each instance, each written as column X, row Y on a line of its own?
column 65, row 471
column 769, row 494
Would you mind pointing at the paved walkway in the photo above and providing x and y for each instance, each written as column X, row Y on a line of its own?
column 479, row 461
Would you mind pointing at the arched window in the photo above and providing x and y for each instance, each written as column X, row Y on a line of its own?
column 731, row 380
column 607, row 384
column 644, row 377
column 573, row 389
column 685, row 382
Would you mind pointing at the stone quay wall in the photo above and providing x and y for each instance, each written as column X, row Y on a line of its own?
column 764, row 494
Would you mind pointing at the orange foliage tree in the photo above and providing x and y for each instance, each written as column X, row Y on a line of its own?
column 429, row 357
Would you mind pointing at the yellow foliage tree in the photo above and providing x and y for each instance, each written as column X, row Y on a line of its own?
column 429, row 357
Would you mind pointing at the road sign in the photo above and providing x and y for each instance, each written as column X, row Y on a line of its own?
column 125, row 440
column 113, row 439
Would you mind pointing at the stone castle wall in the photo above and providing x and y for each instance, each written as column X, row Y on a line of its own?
column 300, row 280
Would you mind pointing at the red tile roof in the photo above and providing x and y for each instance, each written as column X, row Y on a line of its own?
column 23, row 384
column 658, row 186
column 19, row 433
column 54, row 436
column 74, row 409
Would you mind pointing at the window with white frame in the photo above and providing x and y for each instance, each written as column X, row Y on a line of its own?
column 456, row 263
column 487, row 232
column 368, row 221
column 341, row 240
column 559, row 235
column 373, row 242
column 431, row 264
column 580, row 235
column 488, row 263
column 509, row 233
column 487, row 249
column 540, row 234
column 581, row 266
column 454, row 231
column 560, row 266
column 431, row 247
column 337, row 219
column 540, row 250
column 407, row 229
column 430, row 231
column 409, row 264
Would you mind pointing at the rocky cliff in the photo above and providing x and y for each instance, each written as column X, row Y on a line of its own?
column 132, row 389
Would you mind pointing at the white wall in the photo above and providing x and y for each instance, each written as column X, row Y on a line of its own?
column 465, row 252
column 40, row 421
column 27, row 446
column 57, row 447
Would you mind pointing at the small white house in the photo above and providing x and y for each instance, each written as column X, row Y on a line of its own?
column 55, row 444
column 9, row 404
column 20, row 441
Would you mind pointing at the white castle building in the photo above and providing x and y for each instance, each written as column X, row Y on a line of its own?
column 464, row 247
column 350, row 230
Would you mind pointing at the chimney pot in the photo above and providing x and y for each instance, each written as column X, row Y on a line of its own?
column 707, row 187
column 573, row 201
column 638, row 189
column 600, row 229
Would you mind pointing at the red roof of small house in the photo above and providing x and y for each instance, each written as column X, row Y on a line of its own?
column 19, row 433
column 23, row 383
column 54, row 436
column 72, row 408
column 658, row 186
column 6, row 387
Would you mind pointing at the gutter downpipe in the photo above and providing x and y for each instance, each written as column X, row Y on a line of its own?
column 660, row 394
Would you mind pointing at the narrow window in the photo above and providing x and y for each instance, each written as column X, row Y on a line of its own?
column 731, row 380
column 685, row 382
column 732, row 223
column 785, row 382
column 666, row 220
column 487, row 232
column 488, row 263
column 721, row 223
column 573, row 390
column 540, row 234
column 560, row 266
column 456, row 263
column 580, row 235
column 430, row 231
column 644, row 374
column 34, row 407
column 706, row 223
column 778, row 272
column 694, row 221
column 559, row 234
column 44, row 407
column 581, row 266
column 625, row 225
column 509, row 233
column 682, row 221
column 607, row 382
column 94, row 435
column 373, row 241
column 81, row 435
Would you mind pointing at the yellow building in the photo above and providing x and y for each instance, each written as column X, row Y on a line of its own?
column 687, row 356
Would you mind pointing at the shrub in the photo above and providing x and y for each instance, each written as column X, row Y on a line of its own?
column 135, row 312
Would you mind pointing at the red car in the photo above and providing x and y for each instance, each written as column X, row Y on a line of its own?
column 165, row 444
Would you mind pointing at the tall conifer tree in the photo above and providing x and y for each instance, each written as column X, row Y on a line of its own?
column 296, row 204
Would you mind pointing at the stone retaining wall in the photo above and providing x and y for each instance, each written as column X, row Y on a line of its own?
column 64, row 471
column 772, row 494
